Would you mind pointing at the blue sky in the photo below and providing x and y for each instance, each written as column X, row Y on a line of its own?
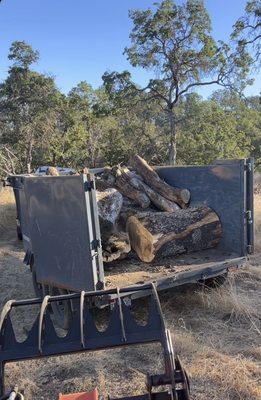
column 79, row 40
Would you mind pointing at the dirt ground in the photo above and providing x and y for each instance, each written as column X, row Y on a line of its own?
column 217, row 334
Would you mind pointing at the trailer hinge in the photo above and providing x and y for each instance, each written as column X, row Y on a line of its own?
column 249, row 218
column 248, row 167
column 250, row 249
column 96, row 244
column 88, row 185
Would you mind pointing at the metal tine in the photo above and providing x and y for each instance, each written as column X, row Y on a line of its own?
column 40, row 326
column 7, row 336
column 121, row 315
column 82, row 297
column 155, row 311
column 5, row 312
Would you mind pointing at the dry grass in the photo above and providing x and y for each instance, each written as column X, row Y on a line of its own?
column 7, row 214
column 217, row 334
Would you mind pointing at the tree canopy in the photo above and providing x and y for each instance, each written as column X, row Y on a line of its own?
column 165, row 121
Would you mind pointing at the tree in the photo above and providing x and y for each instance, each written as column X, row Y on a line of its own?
column 211, row 129
column 22, row 54
column 247, row 29
column 175, row 43
column 28, row 103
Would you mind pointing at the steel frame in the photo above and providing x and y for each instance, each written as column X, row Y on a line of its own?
column 83, row 336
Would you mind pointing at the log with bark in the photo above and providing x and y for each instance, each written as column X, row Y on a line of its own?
column 116, row 247
column 115, row 244
column 109, row 206
column 124, row 186
column 150, row 176
column 164, row 234
column 156, row 199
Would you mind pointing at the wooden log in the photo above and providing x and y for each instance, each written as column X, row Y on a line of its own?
column 176, row 195
column 52, row 171
column 157, row 200
column 165, row 234
column 124, row 186
column 109, row 204
column 116, row 248
column 129, row 208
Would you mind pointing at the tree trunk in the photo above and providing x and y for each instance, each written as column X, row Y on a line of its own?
column 165, row 234
column 176, row 195
column 29, row 156
column 172, row 154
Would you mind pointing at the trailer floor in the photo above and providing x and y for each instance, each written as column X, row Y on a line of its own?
column 132, row 271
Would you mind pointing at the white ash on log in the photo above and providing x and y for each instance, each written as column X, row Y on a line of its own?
column 109, row 206
column 115, row 245
column 164, row 234
column 176, row 195
column 157, row 200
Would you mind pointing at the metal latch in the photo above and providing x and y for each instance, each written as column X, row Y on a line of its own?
column 88, row 186
column 249, row 217
column 248, row 167
column 96, row 244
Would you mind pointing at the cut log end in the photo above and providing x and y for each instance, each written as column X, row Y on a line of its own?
column 141, row 240
column 166, row 234
column 185, row 195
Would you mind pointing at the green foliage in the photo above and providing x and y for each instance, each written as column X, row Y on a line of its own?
column 105, row 126
column 247, row 29
column 174, row 42
column 28, row 104
column 22, row 54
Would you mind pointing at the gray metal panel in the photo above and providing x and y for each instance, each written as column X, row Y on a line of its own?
column 220, row 186
column 21, row 207
column 61, row 232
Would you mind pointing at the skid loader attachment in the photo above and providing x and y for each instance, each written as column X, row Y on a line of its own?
column 83, row 336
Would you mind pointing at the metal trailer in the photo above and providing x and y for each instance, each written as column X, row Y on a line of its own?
column 61, row 236
column 83, row 336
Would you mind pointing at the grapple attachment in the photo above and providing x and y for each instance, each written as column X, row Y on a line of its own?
column 83, row 336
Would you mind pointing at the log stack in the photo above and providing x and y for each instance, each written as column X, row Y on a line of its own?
column 141, row 212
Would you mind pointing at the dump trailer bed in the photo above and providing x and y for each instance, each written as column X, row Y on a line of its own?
column 170, row 272
column 60, row 228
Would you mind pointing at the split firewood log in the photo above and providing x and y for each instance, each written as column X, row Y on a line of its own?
column 109, row 204
column 164, row 234
column 157, row 200
column 176, row 195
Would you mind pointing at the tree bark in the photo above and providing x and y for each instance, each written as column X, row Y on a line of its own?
column 109, row 206
column 116, row 248
column 165, row 234
column 124, row 186
column 157, row 200
column 172, row 156
column 176, row 195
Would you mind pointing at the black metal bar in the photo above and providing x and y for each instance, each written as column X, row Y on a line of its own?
column 250, row 205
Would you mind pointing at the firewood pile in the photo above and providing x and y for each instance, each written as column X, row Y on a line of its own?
column 139, row 211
